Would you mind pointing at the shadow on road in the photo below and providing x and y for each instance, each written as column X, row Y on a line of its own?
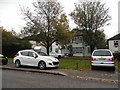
column 32, row 67
column 106, row 69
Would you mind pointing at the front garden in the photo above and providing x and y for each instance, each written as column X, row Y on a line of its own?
column 76, row 63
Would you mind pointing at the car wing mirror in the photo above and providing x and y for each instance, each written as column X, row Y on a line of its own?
column 35, row 56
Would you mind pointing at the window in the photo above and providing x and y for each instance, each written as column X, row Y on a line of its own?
column 42, row 54
column 35, row 55
column 77, row 50
column 24, row 53
column 77, row 39
column 80, row 39
column 101, row 53
column 30, row 54
column 115, row 43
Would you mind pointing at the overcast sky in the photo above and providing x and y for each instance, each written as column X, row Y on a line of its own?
column 11, row 18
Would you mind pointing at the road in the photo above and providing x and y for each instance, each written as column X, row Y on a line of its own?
column 21, row 79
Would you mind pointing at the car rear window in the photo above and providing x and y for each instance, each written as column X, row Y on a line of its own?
column 102, row 53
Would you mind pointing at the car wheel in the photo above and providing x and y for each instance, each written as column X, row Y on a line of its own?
column 42, row 65
column 59, row 56
column 4, row 62
column 17, row 64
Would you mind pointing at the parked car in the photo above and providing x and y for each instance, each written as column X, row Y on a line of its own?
column 3, row 59
column 102, row 58
column 68, row 54
column 56, row 55
column 34, row 58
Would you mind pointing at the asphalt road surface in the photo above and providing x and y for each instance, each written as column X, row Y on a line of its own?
column 21, row 79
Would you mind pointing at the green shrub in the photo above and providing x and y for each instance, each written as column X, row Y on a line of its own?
column 117, row 56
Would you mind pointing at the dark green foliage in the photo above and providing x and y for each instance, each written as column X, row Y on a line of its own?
column 12, row 44
column 117, row 56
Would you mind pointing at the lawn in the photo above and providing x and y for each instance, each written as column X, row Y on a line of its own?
column 77, row 63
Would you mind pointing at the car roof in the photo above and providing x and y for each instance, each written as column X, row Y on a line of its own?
column 26, row 50
column 101, row 49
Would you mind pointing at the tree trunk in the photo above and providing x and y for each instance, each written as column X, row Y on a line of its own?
column 48, row 50
column 92, row 49
column 47, row 47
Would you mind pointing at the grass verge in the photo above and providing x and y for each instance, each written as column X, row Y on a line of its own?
column 10, row 60
column 77, row 63
column 117, row 64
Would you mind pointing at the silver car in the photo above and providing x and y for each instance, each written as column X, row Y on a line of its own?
column 102, row 58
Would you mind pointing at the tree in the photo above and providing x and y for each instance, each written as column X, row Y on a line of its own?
column 91, row 17
column 46, row 24
column 11, row 44
column 100, row 39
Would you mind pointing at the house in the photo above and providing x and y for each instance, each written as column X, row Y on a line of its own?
column 79, row 48
column 114, row 43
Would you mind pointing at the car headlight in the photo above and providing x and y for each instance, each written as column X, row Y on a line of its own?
column 56, row 59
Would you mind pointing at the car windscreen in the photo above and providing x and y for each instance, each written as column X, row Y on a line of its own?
column 102, row 53
column 41, row 53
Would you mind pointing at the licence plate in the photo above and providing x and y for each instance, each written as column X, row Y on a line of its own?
column 101, row 58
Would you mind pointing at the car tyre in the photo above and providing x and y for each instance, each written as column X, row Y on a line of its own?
column 17, row 64
column 42, row 65
column 4, row 63
column 59, row 57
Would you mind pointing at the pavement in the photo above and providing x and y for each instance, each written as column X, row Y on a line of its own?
column 98, row 75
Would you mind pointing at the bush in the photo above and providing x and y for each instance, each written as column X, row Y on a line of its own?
column 11, row 44
column 117, row 56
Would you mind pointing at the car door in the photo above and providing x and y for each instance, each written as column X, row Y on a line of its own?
column 32, row 58
column 24, row 57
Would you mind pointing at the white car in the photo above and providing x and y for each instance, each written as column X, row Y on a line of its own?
column 33, row 58
column 57, row 55
column 102, row 58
